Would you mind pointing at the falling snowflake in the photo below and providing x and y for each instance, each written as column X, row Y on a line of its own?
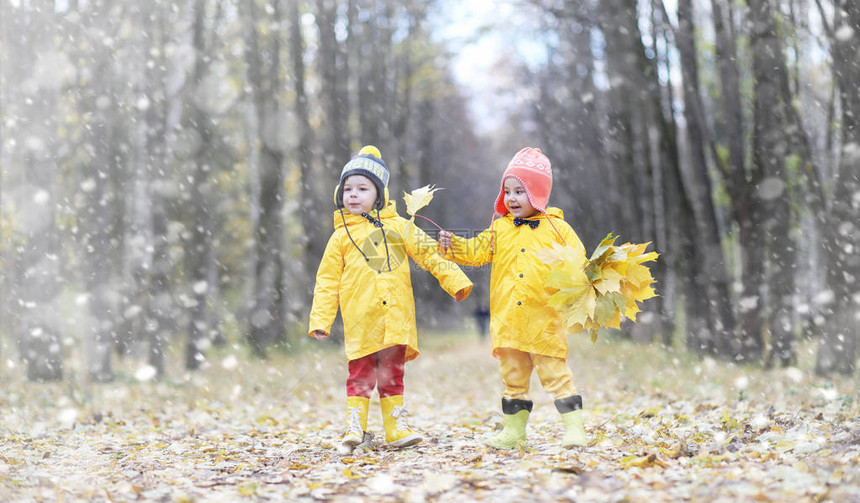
column 88, row 185
column 824, row 298
column 142, row 104
column 230, row 362
column 145, row 373
column 201, row 287
column 829, row 393
column 42, row 197
column 794, row 374
column 844, row 33
column 67, row 417
column 771, row 188
column 747, row 304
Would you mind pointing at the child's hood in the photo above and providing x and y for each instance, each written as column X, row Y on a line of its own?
column 341, row 216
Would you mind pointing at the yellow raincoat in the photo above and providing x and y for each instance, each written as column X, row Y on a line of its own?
column 376, row 303
column 520, row 316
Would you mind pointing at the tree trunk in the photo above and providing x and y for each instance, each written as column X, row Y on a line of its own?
column 738, row 179
column 160, row 304
column 100, row 241
column 714, row 275
column 671, row 238
column 405, row 68
column 267, row 317
column 5, row 271
column 625, row 97
column 770, row 144
column 312, row 237
column 335, row 94
column 837, row 350
column 38, row 333
column 638, row 123
column 334, row 76
column 98, row 246
column 199, row 246
column 373, row 81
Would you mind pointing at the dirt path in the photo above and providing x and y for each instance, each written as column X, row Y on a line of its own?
column 663, row 428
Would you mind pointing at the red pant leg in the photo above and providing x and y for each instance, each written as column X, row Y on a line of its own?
column 390, row 371
column 362, row 376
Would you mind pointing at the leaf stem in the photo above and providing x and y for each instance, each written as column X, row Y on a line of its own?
column 429, row 220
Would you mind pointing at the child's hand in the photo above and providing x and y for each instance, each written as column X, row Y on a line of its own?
column 462, row 294
column 319, row 334
column 445, row 240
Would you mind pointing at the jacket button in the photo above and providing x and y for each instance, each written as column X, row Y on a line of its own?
column 383, row 303
column 522, row 249
column 375, row 243
column 519, row 303
column 521, row 275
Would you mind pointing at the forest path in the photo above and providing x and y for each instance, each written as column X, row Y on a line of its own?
column 663, row 427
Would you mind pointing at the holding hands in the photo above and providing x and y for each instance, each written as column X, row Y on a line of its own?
column 445, row 240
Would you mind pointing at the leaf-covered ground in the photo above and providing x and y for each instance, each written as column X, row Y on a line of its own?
column 664, row 427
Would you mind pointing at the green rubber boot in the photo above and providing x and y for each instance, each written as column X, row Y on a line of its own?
column 571, row 413
column 514, row 433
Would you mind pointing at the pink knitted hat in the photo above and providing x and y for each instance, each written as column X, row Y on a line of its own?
column 534, row 172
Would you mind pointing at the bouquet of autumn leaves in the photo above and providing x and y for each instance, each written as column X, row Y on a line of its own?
column 599, row 291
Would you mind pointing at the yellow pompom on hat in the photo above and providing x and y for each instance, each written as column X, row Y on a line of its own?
column 367, row 162
column 370, row 150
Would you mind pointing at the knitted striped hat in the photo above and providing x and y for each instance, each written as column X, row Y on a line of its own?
column 367, row 162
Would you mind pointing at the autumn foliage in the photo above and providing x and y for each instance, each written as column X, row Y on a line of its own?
column 601, row 290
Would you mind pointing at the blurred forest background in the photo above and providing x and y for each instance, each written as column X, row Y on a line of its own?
column 167, row 167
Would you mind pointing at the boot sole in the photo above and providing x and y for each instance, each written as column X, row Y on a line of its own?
column 506, row 447
column 347, row 448
column 351, row 442
column 406, row 441
column 574, row 445
column 344, row 450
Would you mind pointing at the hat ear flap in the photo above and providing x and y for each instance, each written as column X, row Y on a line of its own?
column 337, row 201
column 384, row 200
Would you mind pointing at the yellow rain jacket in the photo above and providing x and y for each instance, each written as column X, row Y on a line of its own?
column 376, row 303
column 520, row 316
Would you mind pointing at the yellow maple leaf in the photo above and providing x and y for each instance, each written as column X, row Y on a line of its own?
column 572, row 292
column 609, row 282
column 638, row 276
column 648, row 460
column 418, row 198
column 348, row 473
column 249, row 489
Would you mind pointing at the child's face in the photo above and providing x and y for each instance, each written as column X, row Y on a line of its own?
column 359, row 194
column 516, row 200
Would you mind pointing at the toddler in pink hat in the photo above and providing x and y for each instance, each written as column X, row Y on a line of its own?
column 527, row 333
